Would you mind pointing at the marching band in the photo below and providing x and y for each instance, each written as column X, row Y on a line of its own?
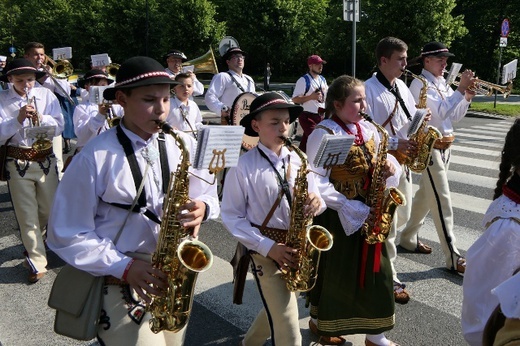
column 127, row 178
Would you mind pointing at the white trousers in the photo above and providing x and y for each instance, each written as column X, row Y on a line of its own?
column 279, row 317
column 124, row 321
column 400, row 218
column 434, row 196
column 32, row 192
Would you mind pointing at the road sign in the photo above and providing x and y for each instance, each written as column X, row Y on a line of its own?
column 503, row 42
column 350, row 10
column 504, row 29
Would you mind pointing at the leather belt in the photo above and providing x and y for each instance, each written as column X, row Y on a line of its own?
column 444, row 142
column 276, row 234
column 28, row 154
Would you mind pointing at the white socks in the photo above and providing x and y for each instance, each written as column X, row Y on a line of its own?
column 378, row 339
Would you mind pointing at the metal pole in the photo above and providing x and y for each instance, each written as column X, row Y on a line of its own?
column 498, row 77
column 146, row 31
column 354, row 39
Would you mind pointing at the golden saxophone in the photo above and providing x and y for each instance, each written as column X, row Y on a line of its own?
column 383, row 200
column 308, row 239
column 425, row 137
column 177, row 255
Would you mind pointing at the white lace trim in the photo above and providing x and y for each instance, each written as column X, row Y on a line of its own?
column 503, row 208
column 352, row 216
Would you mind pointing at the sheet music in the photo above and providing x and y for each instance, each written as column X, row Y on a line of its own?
column 95, row 95
column 212, row 141
column 333, row 150
column 416, row 122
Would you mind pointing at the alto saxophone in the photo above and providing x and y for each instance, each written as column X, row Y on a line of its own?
column 177, row 255
column 425, row 137
column 384, row 201
column 308, row 239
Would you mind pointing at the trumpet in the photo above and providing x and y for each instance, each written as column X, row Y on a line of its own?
column 42, row 143
column 112, row 69
column 482, row 87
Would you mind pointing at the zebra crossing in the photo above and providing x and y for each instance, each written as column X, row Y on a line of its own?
column 432, row 317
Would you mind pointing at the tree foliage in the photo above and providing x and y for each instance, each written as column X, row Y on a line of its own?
column 281, row 32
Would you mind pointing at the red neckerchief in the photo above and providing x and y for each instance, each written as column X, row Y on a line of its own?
column 512, row 189
column 358, row 136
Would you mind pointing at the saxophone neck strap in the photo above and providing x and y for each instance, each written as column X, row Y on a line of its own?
column 395, row 91
column 271, row 212
column 283, row 181
column 140, row 206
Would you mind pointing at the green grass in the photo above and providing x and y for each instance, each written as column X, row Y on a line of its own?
column 501, row 108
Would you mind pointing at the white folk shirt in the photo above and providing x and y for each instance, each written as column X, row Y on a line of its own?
column 447, row 106
column 47, row 105
column 316, row 83
column 507, row 295
column 352, row 213
column 50, row 84
column 88, row 122
column 223, row 91
column 83, row 225
column 381, row 103
column 250, row 191
column 198, row 87
column 190, row 121
column 491, row 260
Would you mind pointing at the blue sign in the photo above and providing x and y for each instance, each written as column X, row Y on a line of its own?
column 504, row 29
column 12, row 49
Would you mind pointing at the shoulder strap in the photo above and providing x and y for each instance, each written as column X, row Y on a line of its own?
column 307, row 83
column 236, row 82
column 325, row 128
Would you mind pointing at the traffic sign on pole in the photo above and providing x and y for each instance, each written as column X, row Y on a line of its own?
column 504, row 29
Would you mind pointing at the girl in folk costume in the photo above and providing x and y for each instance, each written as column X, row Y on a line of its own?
column 495, row 256
column 354, row 291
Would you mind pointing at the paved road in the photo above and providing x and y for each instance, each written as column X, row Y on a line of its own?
column 431, row 317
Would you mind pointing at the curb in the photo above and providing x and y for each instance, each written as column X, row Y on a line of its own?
column 484, row 115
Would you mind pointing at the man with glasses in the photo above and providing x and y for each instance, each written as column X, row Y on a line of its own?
column 226, row 86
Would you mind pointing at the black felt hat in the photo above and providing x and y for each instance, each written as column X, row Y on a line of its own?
column 137, row 72
column 177, row 54
column 231, row 51
column 269, row 100
column 93, row 74
column 20, row 66
column 435, row 49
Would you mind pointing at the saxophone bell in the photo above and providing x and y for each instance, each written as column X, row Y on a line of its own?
column 195, row 255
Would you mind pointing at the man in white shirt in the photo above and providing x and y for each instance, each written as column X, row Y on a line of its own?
column 226, row 86
column 174, row 59
column 310, row 91
column 392, row 105
column 32, row 177
column 446, row 106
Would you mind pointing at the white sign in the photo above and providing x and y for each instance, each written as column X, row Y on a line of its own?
column 100, row 60
column 95, row 94
column 509, row 71
column 350, row 10
column 503, row 42
column 62, row 53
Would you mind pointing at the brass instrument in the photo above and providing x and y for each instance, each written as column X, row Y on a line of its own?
column 425, row 136
column 383, row 200
column 310, row 240
column 177, row 255
column 112, row 69
column 42, row 142
column 60, row 70
column 204, row 64
column 481, row 87
column 112, row 119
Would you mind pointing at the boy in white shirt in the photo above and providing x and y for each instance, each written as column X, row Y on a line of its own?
column 184, row 113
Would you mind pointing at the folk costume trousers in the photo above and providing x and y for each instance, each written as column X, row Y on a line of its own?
column 279, row 317
column 401, row 216
column 32, row 186
column 124, row 321
column 434, row 196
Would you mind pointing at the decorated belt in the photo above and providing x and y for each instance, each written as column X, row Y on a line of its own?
column 28, row 154
column 276, row 234
column 112, row 280
column 444, row 142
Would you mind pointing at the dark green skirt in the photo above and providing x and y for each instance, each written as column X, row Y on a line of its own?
column 338, row 301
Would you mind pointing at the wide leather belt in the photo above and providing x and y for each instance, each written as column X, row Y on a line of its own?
column 28, row 154
column 112, row 280
column 276, row 234
column 444, row 142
